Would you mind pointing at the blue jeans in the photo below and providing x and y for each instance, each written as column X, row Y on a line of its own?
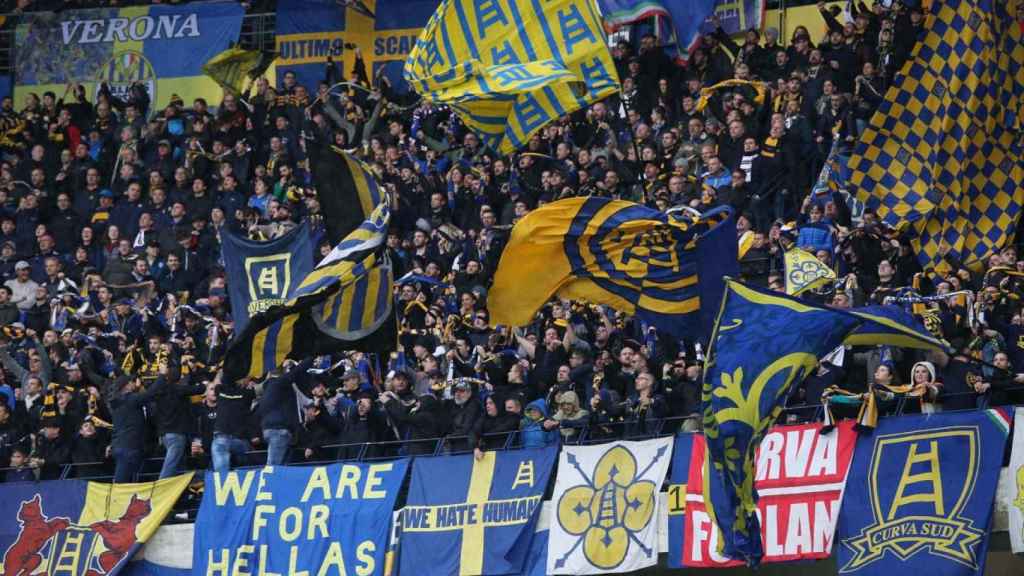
column 223, row 448
column 127, row 463
column 277, row 440
column 175, row 444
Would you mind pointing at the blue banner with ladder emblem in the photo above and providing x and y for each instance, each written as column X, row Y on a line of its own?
column 919, row 495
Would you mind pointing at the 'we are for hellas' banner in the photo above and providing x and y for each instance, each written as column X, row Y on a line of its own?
column 297, row 520
column 801, row 475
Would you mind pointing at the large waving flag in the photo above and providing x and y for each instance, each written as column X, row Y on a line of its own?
column 344, row 303
column 893, row 326
column 942, row 156
column 81, row 528
column 235, row 69
column 764, row 344
column 509, row 67
column 346, row 189
column 664, row 268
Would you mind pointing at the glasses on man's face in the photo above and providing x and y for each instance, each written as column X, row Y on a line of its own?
column 681, row 366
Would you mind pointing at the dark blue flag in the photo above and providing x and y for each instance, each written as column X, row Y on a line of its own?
column 263, row 274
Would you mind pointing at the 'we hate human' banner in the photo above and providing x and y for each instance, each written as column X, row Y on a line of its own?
column 297, row 520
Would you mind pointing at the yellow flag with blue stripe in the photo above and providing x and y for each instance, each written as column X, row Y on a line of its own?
column 666, row 269
column 509, row 67
column 805, row 272
column 344, row 303
column 942, row 155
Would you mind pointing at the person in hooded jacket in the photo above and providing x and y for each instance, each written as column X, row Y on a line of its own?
column 423, row 420
column 127, row 401
column 570, row 417
column 278, row 411
column 536, row 430
column 463, row 412
column 491, row 431
column 363, row 423
column 174, row 419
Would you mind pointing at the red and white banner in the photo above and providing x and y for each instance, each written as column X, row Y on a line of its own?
column 800, row 478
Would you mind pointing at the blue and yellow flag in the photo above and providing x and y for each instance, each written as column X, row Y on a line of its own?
column 509, row 67
column 920, row 492
column 235, row 69
column 80, row 528
column 942, row 156
column 468, row 517
column 162, row 47
column 628, row 256
column 805, row 272
column 764, row 344
column 892, row 326
column 344, row 303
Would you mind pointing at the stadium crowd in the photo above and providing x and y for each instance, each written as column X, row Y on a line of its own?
column 115, row 313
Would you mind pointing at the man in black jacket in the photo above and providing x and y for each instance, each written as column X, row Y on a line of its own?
column 234, row 410
column 278, row 411
column 174, row 419
column 127, row 400
column 464, row 411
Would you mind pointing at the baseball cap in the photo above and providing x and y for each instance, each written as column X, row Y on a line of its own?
column 21, row 265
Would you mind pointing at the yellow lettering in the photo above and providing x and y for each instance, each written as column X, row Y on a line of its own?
column 258, row 521
column 932, row 476
column 317, row 481
column 218, row 566
column 364, row 555
column 264, row 556
column 332, row 558
column 261, row 494
column 293, row 516
column 370, row 491
column 318, row 515
column 241, row 562
column 226, row 485
column 293, row 558
column 349, row 479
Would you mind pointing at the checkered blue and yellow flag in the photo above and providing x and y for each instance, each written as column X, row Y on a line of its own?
column 942, row 155
column 509, row 67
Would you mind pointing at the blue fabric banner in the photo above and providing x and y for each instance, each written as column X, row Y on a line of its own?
column 480, row 519
column 291, row 520
column 681, row 453
column 919, row 495
column 308, row 32
column 79, row 528
column 263, row 274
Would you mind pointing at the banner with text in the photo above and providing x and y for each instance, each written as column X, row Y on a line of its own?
column 480, row 519
column 291, row 520
column 801, row 474
column 920, row 495
column 162, row 47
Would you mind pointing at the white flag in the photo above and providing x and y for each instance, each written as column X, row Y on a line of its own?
column 605, row 507
column 1015, row 506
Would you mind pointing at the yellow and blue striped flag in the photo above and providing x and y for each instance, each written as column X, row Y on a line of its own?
column 666, row 269
column 942, row 155
column 509, row 67
column 344, row 303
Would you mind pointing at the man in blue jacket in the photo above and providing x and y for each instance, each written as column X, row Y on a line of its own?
column 278, row 411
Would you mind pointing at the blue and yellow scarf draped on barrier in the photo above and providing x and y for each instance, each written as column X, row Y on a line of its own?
column 469, row 517
column 509, row 67
column 942, row 156
column 764, row 344
column 920, row 495
column 164, row 47
column 664, row 268
column 78, row 528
